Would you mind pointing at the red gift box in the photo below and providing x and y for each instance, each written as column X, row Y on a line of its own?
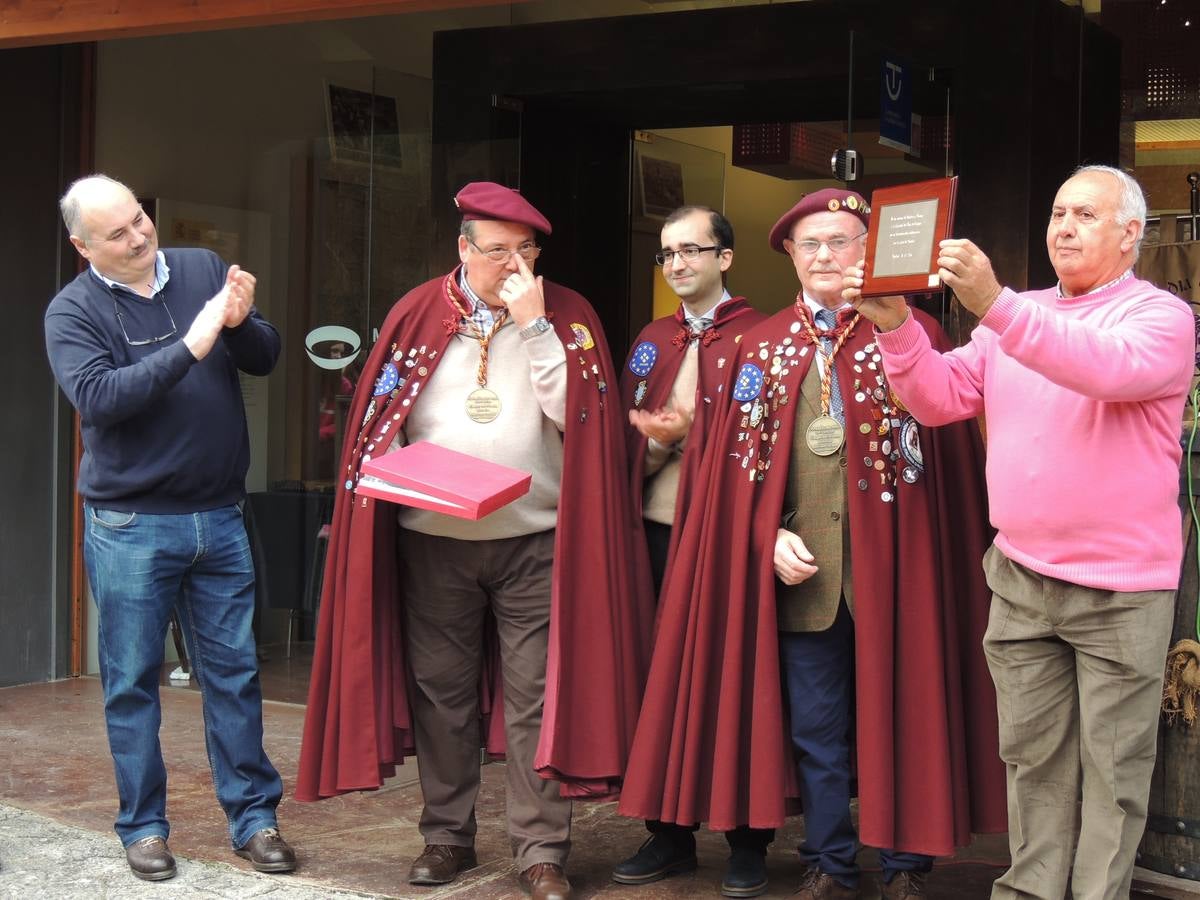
column 428, row 476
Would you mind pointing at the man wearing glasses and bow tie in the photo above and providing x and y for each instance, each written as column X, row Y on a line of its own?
column 147, row 345
column 495, row 362
column 827, row 590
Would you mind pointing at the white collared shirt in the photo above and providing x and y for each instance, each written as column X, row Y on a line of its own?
column 1128, row 273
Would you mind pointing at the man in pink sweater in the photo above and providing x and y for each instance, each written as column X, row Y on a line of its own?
column 1083, row 387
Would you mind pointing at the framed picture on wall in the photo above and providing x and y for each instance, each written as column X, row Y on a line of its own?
column 662, row 186
column 353, row 116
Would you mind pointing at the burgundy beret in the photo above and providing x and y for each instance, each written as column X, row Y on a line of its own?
column 488, row 200
column 825, row 200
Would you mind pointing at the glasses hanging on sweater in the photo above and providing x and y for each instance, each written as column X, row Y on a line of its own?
column 143, row 342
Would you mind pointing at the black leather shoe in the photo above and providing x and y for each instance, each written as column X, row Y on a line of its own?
column 150, row 860
column 441, row 863
column 746, row 874
column 661, row 855
column 268, row 851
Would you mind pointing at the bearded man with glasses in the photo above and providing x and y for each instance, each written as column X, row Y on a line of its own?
column 826, row 585
column 495, row 362
column 165, row 454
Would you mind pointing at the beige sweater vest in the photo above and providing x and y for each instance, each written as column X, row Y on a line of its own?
column 663, row 463
column 530, row 377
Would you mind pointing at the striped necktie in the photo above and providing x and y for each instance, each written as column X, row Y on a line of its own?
column 826, row 319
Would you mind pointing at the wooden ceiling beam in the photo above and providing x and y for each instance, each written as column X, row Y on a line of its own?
column 25, row 23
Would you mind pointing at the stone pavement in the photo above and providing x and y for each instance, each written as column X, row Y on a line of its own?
column 39, row 858
column 57, row 802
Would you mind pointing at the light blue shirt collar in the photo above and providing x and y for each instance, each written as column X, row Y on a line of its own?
column 814, row 306
column 162, row 273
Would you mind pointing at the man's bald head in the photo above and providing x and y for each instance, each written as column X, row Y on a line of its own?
column 86, row 193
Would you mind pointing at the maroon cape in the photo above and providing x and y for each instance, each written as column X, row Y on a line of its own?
column 711, row 743
column 358, row 725
column 650, row 388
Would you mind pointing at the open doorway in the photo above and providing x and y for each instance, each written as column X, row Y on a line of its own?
column 752, row 174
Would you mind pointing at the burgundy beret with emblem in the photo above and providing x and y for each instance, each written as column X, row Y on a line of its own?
column 825, row 200
column 488, row 200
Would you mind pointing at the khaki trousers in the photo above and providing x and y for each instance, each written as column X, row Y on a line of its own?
column 1078, row 675
column 448, row 587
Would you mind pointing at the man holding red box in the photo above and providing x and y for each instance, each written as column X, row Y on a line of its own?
column 492, row 361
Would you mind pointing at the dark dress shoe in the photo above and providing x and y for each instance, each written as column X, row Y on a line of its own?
column 441, row 863
column 150, row 860
column 661, row 855
column 746, row 875
column 268, row 851
column 903, row 886
column 545, row 881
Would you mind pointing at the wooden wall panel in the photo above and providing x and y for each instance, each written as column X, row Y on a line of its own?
column 35, row 22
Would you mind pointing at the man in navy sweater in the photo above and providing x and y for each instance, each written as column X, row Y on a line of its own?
column 147, row 345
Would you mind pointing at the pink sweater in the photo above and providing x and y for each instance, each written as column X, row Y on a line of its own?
column 1084, row 402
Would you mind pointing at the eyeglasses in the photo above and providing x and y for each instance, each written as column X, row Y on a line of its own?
column 527, row 252
column 687, row 254
column 835, row 245
column 146, row 341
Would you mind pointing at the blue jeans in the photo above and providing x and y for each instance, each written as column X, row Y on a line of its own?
column 818, row 671
column 141, row 567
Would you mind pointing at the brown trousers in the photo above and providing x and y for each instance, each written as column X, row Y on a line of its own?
column 448, row 587
column 1078, row 675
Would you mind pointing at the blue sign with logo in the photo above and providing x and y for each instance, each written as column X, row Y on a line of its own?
column 895, row 106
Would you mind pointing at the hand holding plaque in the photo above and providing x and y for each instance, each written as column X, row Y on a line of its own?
column 908, row 223
column 968, row 272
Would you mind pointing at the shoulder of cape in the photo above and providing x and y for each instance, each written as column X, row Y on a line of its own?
column 415, row 300
column 771, row 328
column 662, row 328
column 564, row 301
column 750, row 316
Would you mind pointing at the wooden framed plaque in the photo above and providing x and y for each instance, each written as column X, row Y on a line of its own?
column 907, row 224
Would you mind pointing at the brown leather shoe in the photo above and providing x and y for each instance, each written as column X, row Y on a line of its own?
column 545, row 881
column 816, row 885
column 268, row 851
column 150, row 860
column 441, row 863
column 903, row 886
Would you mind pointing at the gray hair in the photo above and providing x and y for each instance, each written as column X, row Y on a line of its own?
column 467, row 229
column 71, row 206
column 1131, row 205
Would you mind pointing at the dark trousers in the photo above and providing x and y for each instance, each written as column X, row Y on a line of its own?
column 658, row 542
column 448, row 587
column 741, row 838
column 818, row 670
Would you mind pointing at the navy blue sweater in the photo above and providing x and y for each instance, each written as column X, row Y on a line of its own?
column 162, row 433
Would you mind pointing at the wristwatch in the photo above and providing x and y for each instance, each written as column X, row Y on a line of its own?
column 538, row 326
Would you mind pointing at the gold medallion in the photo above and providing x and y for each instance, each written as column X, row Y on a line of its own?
column 824, row 435
column 483, row 405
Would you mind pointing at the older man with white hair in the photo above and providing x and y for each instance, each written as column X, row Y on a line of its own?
column 147, row 345
column 1083, row 387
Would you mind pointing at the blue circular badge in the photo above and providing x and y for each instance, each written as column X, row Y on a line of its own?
column 645, row 355
column 749, row 383
column 387, row 380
